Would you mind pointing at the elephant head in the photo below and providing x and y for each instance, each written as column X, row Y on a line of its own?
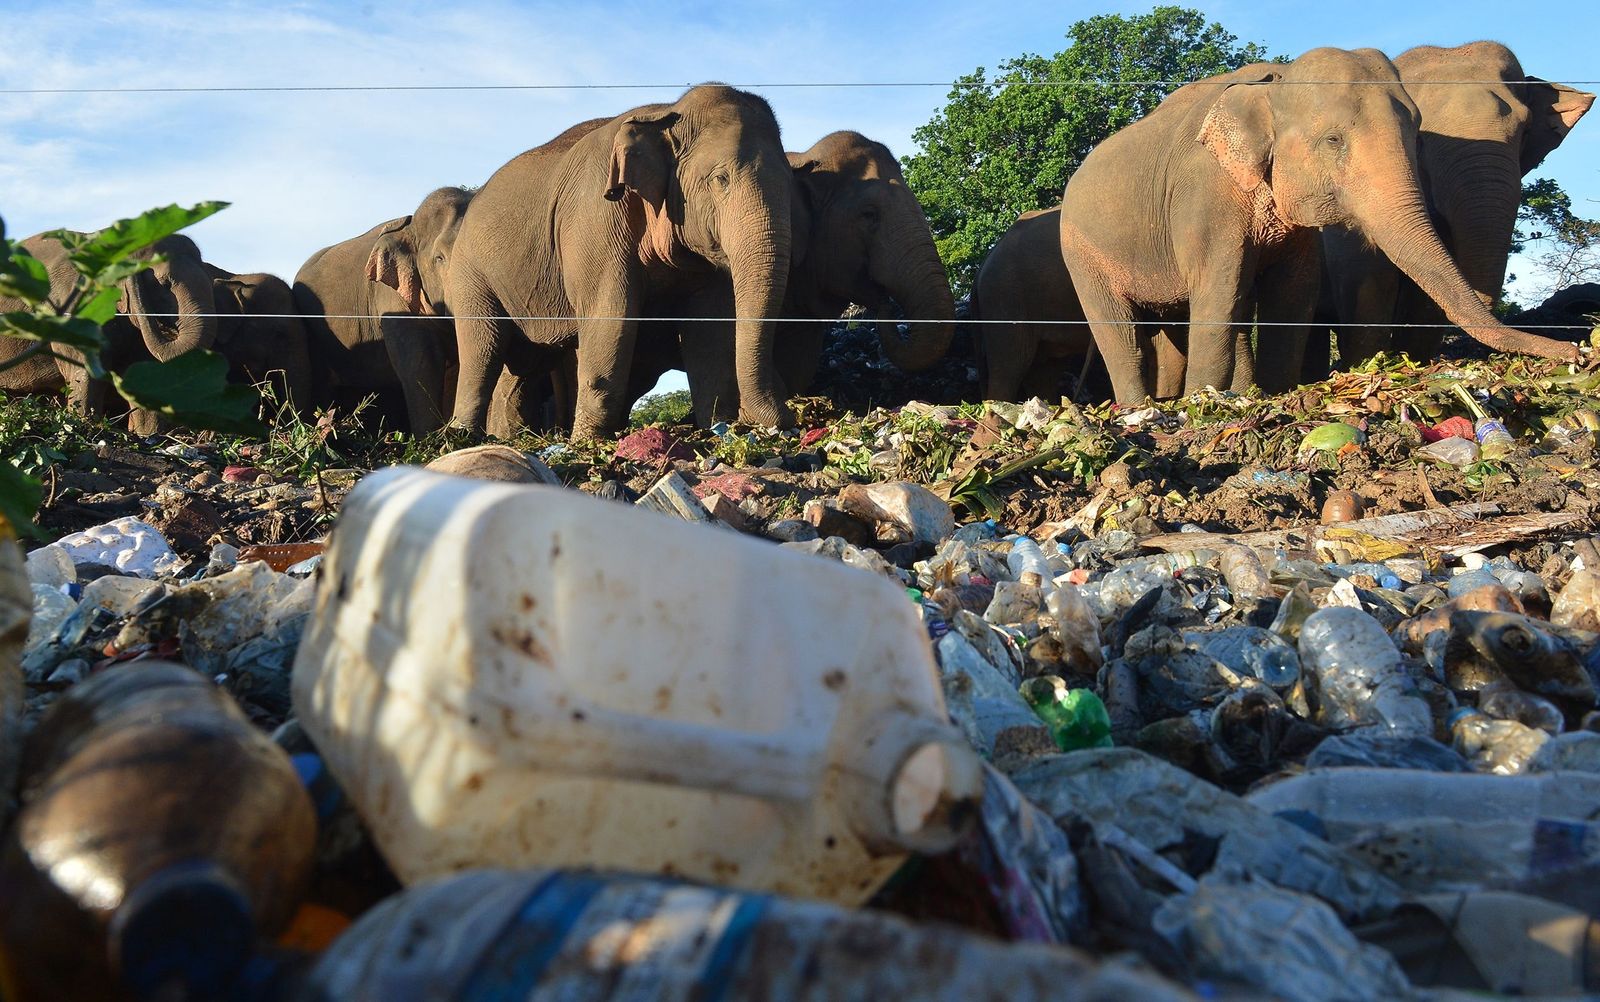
column 1478, row 141
column 707, row 178
column 1305, row 152
column 412, row 255
column 866, row 241
column 171, row 302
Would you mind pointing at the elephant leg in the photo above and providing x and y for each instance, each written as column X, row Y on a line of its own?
column 799, row 349
column 481, row 342
column 1221, row 308
column 1011, row 350
column 1116, row 335
column 605, row 357
column 1171, row 364
column 1366, row 306
column 1043, row 378
column 418, row 359
column 1424, row 325
column 1287, row 302
column 708, row 355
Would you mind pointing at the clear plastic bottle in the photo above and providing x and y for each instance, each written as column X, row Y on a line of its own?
column 1357, row 673
column 1493, row 439
column 579, row 937
column 161, row 833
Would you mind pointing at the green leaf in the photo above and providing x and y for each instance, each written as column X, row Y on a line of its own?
column 74, row 332
column 19, row 499
column 193, row 390
column 102, row 255
column 24, row 277
column 100, row 307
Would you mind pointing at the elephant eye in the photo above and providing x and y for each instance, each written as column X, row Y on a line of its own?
column 1334, row 140
column 721, row 179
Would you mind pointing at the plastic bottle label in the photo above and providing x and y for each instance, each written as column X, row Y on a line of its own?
column 705, row 931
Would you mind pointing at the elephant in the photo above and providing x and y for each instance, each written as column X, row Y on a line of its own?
column 1212, row 203
column 1477, row 142
column 1024, row 278
column 374, row 308
column 858, row 236
column 570, row 246
column 260, row 335
column 165, row 311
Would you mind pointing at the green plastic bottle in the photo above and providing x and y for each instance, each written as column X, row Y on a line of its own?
column 1076, row 717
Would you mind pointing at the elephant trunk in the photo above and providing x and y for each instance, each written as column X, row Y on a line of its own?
column 1395, row 218
column 758, row 250
column 1477, row 200
column 907, row 264
column 196, row 325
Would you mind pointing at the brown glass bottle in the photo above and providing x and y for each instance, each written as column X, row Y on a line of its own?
column 160, row 835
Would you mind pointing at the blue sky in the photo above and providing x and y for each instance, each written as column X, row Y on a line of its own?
column 304, row 170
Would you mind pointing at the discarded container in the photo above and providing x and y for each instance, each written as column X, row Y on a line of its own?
column 902, row 511
column 1076, row 717
column 129, row 545
column 1578, row 604
column 1342, row 506
column 580, row 936
column 160, row 834
column 1493, row 439
column 495, row 462
column 503, row 674
column 1354, row 676
column 1491, row 941
column 1450, row 452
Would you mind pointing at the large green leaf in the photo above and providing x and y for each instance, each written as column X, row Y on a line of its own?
column 193, row 390
column 75, row 332
column 102, row 255
column 23, row 276
column 100, row 307
column 19, row 499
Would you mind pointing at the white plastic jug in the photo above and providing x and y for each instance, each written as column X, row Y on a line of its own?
column 507, row 675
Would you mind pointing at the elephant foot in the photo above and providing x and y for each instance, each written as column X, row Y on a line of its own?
column 781, row 418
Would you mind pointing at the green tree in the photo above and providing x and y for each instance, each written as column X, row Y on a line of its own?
column 1564, row 246
column 1000, row 149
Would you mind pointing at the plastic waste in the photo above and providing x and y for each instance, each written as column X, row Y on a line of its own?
column 1348, row 800
column 1253, row 651
column 1288, row 944
column 1575, row 750
column 51, row 607
column 1456, row 452
column 1493, row 439
column 1167, row 809
column 1502, row 747
column 578, row 936
column 1578, row 604
column 496, row 462
column 903, row 512
column 129, row 545
column 1381, row 748
column 1506, row 703
column 1488, row 649
column 1534, row 855
column 51, row 566
column 1074, row 624
column 160, row 834
column 1491, row 941
column 557, row 700
column 1353, row 674
column 1077, row 718
column 985, row 705
column 1245, row 574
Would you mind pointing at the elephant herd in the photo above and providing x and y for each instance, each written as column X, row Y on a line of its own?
column 1338, row 189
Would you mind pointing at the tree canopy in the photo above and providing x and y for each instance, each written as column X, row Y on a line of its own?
column 1002, row 148
column 1568, row 245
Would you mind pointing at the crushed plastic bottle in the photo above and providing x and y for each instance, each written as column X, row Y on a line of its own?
column 581, row 936
column 129, row 545
column 160, row 835
column 1252, row 650
column 503, row 674
column 1354, row 676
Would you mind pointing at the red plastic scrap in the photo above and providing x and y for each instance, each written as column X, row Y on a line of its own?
column 1454, row 427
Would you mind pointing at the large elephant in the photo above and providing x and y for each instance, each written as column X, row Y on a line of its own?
column 571, row 247
column 1024, row 279
column 374, row 308
column 859, row 236
column 1477, row 141
column 165, row 310
column 1213, row 201
column 261, row 336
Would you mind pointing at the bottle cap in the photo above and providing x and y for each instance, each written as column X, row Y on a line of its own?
column 188, row 927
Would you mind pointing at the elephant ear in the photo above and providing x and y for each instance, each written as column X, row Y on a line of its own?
column 1553, row 109
column 393, row 262
column 802, row 208
column 640, row 159
column 1238, row 131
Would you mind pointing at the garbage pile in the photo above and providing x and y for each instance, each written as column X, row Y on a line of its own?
column 1226, row 698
